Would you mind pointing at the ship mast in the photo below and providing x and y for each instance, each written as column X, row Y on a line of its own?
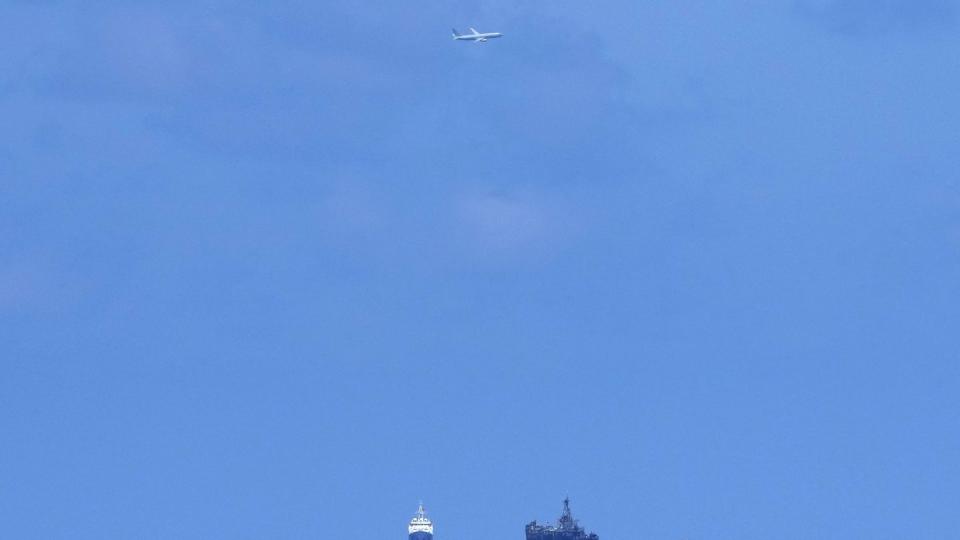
column 566, row 521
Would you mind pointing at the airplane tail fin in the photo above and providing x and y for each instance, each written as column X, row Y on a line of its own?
column 455, row 33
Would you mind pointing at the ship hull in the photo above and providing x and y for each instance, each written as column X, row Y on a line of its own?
column 420, row 535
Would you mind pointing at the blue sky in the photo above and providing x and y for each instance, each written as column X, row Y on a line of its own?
column 281, row 270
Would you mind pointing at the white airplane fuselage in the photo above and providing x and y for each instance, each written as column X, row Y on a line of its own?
column 475, row 36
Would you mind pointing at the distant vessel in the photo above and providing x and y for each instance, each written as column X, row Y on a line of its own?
column 420, row 528
column 566, row 528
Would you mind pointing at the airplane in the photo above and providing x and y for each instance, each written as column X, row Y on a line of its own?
column 475, row 36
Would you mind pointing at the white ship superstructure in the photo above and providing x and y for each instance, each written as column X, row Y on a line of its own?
column 420, row 528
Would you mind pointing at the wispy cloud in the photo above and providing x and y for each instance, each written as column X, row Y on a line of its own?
column 513, row 227
column 503, row 223
column 869, row 17
column 450, row 228
column 29, row 287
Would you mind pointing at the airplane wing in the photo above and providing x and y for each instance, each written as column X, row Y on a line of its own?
column 474, row 30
